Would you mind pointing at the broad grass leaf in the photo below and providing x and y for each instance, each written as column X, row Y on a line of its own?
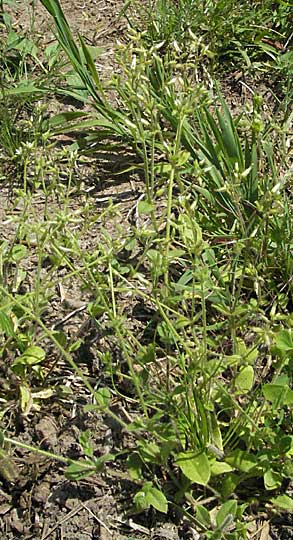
column 93, row 51
column 196, row 467
column 6, row 324
column 88, row 54
column 244, row 380
column 24, row 87
column 216, row 432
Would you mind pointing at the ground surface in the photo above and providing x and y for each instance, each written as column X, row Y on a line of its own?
column 36, row 501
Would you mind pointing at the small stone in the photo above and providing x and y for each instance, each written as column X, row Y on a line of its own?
column 46, row 430
column 42, row 492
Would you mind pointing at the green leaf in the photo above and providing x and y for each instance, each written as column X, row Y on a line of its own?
column 32, row 356
column 52, row 51
column 244, row 380
column 103, row 397
column 18, row 252
column 6, row 324
column 151, row 496
column 158, row 500
column 146, row 355
column 228, row 508
column 288, row 399
column 149, row 451
column 155, row 258
column 189, row 231
column 141, row 502
column 196, row 467
column 285, row 445
column 272, row 479
column 61, row 338
column 220, row 467
column 93, row 51
column 8, row 467
column 64, row 118
column 144, row 207
column 284, row 341
column 278, row 394
column 203, row 516
column 78, row 470
column 229, row 484
column 134, row 465
column 284, row 502
column 216, row 432
column 24, row 87
column 85, row 440
column 241, row 460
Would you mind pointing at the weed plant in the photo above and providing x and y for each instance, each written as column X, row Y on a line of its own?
column 194, row 303
column 222, row 34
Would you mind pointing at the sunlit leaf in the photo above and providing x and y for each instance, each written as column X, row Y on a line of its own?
column 196, row 467
column 284, row 502
column 244, row 380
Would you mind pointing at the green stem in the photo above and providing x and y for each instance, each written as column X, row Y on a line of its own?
column 66, row 355
column 50, row 455
column 170, row 197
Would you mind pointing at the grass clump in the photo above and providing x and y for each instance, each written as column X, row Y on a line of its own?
column 191, row 306
column 222, row 33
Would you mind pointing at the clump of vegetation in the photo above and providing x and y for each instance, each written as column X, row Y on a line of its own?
column 192, row 305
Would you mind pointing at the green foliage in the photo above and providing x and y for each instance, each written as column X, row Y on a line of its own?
column 206, row 364
column 148, row 496
column 196, row 467
column 223, row 33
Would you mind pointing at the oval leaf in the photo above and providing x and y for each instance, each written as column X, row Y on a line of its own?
column 284, row 502
column 196, row 467
column 244, row 380
column 158, row 500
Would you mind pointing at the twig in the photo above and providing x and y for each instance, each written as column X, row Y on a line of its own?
column 100, row 522
column 68, row 316
column 72, row 513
